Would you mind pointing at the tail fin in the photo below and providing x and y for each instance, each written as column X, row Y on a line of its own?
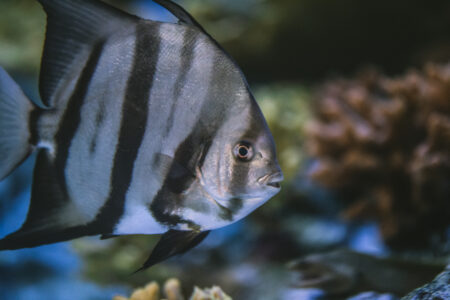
column 15, row 110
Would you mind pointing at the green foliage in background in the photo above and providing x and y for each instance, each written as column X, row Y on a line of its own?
column 22, row 28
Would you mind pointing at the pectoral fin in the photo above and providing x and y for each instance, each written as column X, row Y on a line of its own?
column 178, row 176
column 173, row 242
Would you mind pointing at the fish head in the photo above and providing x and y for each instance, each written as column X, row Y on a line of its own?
column 241, row 171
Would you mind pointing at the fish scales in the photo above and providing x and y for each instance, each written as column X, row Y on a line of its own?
column 140, row 194
column 150, row 127
column 71, row 119
column 209, row 119
column 85, row 168
column 186, row 55
column 133, row 122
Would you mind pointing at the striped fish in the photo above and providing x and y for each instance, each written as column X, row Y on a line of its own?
column 147, row 128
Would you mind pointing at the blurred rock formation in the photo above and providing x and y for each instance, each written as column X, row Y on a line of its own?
column 345, row 273
column 439, row 288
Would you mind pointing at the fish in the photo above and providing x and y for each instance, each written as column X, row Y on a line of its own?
column 145, row 127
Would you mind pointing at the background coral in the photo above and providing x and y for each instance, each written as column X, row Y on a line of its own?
column 384, row 144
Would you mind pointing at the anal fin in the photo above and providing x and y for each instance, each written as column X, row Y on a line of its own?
column 43, row 224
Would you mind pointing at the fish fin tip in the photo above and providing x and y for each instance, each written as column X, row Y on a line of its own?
column 18, row 240
column 27, row 237
column 15, row 108
column 141, row 269
column 180, row 13
column 107, row 236
column 174, row 242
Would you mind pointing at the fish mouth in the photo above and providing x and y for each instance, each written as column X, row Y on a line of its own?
column 272, row 180
column 274, row 184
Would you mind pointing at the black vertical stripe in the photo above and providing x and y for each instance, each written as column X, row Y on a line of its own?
column 133, row 123
column 72, row 115
column 33, row 125
column 205, row 150
column 99, row 118
column 234, row 206
column 187, row 57
column 180, row 176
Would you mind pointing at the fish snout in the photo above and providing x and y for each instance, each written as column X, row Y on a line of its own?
column 272, row 180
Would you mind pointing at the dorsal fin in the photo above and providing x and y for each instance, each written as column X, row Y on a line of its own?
column 71, row 26
column 179, row 12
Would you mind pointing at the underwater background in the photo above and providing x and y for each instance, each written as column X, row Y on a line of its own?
column 357, row 96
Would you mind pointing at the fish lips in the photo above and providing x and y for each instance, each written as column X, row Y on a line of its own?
column 272, row 180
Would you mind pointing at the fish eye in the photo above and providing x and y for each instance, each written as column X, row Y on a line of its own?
column 243, row 151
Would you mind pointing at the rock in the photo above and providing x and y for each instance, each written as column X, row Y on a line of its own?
column 346, row 272
column 438, row 289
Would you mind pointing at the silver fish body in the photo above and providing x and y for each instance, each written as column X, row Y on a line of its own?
column 149, row 128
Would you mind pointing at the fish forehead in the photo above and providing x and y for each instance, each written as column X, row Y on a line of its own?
column 247, row 123
column 260, row 131
column 212, row 87
column 244, row 122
